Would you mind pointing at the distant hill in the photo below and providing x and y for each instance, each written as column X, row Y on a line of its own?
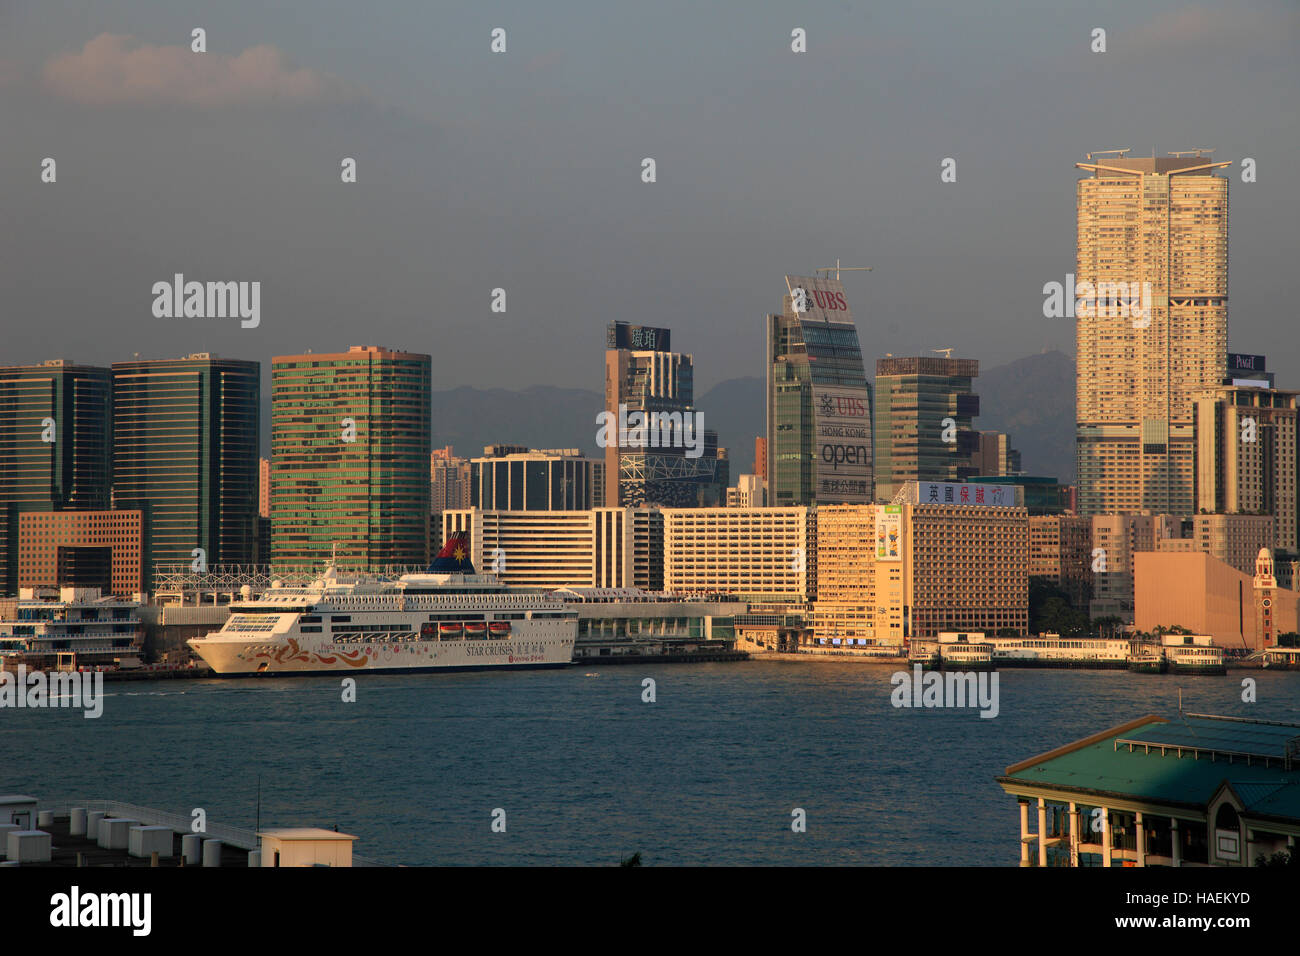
column 1032, row 399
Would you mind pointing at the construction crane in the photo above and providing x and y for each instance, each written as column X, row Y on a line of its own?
column 837, row 269
column 1121, row 152
column 947, row 353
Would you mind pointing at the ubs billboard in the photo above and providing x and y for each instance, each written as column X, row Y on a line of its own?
column 817, row 298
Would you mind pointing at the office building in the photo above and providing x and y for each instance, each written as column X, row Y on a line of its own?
column 924, row 409
column 766, row 556
column 1247, row 455
column 350, row 446
column 55, row 447
column 1060, row 554
column 99, row 549
column 511, row 478
column 657, row 451
column 1151, row 302
column 748, row 492
column 819, row 446
column 185, row 441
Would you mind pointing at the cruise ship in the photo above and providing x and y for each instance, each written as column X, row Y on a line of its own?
column 449, row 618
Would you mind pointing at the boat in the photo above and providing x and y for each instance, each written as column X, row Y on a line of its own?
column 476, row 629
column 360, row 623
column 1146, row 658
column 499, row 628
column 1192, row 654
column 1052, row 650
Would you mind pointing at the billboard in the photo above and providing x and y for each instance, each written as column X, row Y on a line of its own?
column 842, row 445
column 815, row 298
column 1240, row 362
column 965, row 493
column 889, row 533
column 638, row 338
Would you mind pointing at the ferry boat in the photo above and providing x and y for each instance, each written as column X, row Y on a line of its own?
column 1145, row 658
column 1052, row 650
column 418, row 622
column 952, row 651
column 1192, row 654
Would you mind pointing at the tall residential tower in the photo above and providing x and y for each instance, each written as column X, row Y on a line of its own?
column 1151, row 292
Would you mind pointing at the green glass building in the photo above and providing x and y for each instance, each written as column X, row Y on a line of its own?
column 55, row 434
column 819, row 447
column 350, row 445
column 185, row 443
column 913, row 398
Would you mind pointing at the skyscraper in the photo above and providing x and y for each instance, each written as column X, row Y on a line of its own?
column 1151, row 301
column 818, row 400
column 350, row 446
column 924, row 408
column 185, row 441
column 55, row 435
column 655, row 451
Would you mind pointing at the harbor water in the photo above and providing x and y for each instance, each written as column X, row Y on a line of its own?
column 588, row 772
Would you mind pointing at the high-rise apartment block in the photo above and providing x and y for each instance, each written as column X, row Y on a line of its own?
column 1151, row 304
column 924, row 410
column 350, row 446
column 185, row 442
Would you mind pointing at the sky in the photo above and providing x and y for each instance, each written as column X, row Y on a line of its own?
column 522, row 170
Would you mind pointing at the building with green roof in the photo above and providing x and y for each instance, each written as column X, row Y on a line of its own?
column 1194, row 790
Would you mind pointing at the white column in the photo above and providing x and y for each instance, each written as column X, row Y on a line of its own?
column 1042, row 832
column 1024, row 833
column 1105, row 836
column 1174, row 841
column 1074, row 835
column 1141, row 839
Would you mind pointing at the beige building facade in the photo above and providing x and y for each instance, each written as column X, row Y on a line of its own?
column 1151, row 301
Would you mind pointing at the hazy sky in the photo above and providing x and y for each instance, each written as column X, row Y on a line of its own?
column 522, row 170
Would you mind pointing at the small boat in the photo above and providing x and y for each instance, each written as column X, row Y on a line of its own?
column 450, row 629
column 499, row 628
column 1146, row 658
column 475, row 628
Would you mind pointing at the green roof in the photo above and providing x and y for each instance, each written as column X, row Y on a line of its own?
column 1179, row 761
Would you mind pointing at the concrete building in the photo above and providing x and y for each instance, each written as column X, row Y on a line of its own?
column 1248, row 457
column 350, row 446
column 670, row 460
column 1060, row 552
column 510, row 478
column 1115, row 539
column 1151, row 302
column 598, row 547
column 55, row 447
column 449, row 481
column 1195, row 791
column 924, row 409
column 1233, row 539
column 747, row 493
column 890, row 573
column 185, row 442
column 819, row 444
column 1207, row 596
column 101, row 549
column 765, row 556
column 994, row 456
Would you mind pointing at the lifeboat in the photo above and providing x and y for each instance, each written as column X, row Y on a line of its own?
column 475, row 628
column 450, row 629
column 499, row 628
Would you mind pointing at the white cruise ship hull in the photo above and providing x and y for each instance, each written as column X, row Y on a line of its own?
column 229, row 654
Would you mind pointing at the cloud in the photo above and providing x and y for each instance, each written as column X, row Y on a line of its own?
column 113, row 70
